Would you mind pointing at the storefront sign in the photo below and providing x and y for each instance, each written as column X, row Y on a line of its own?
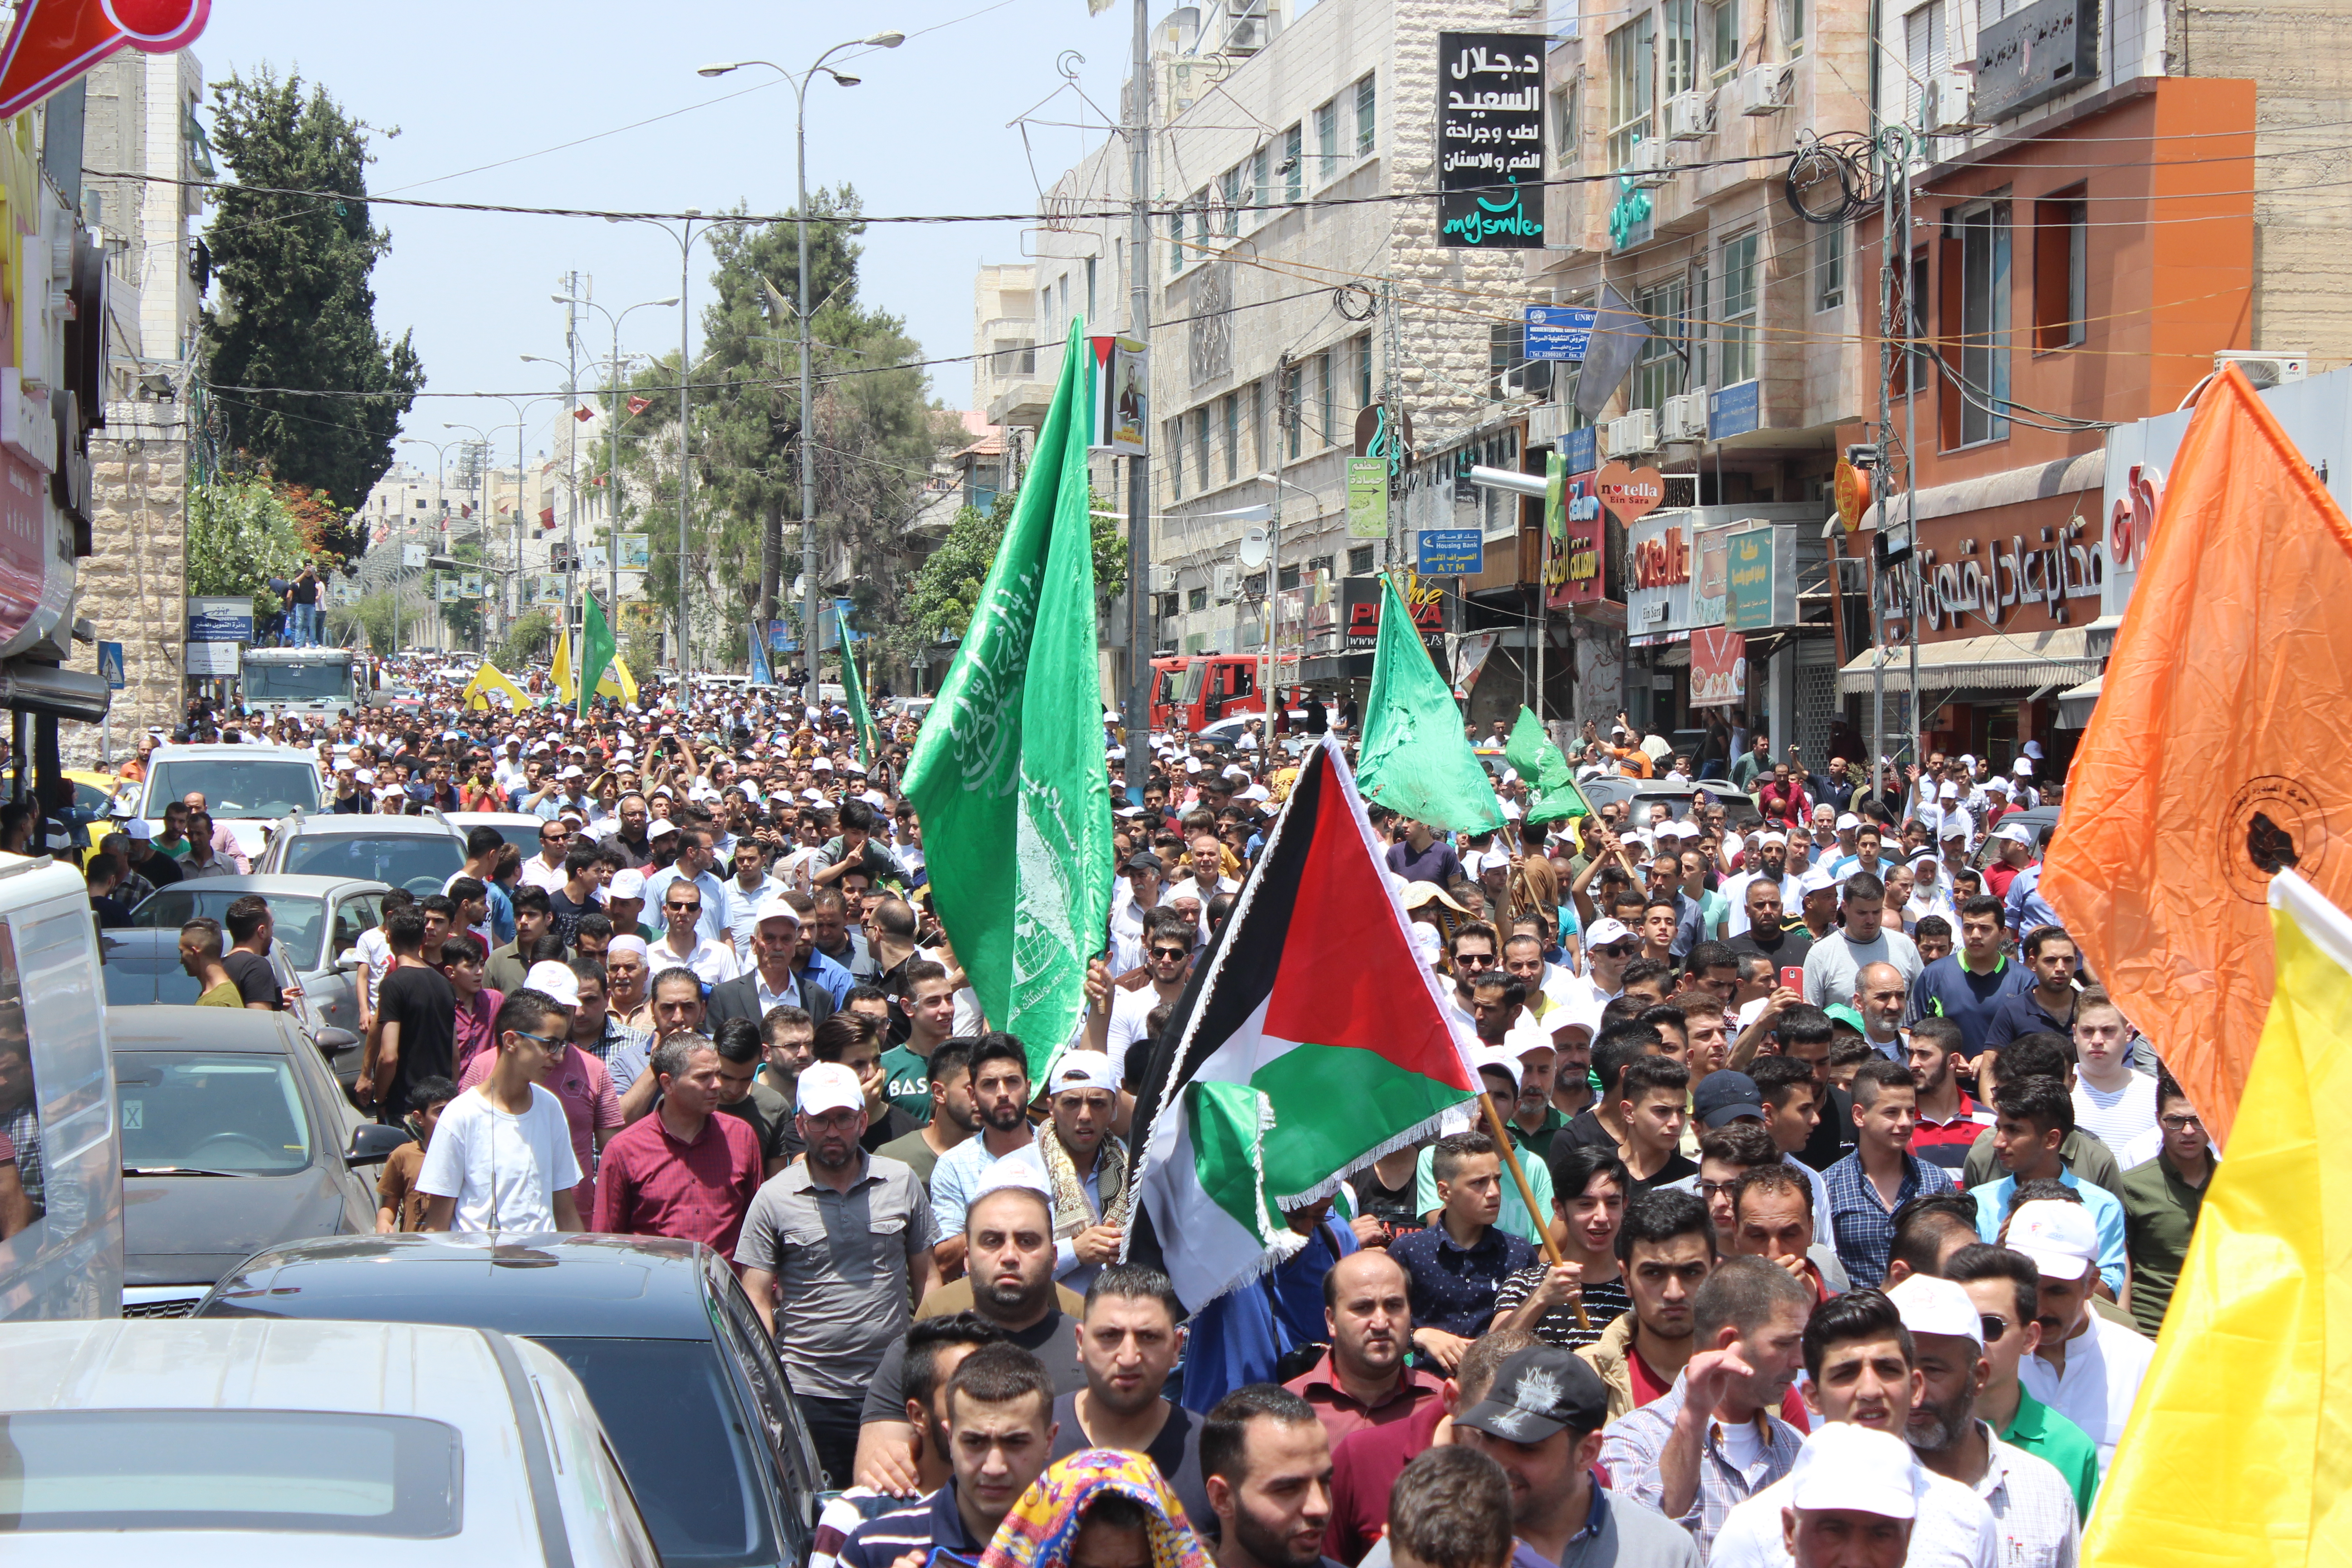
column 2030, row 56
column 1761, row 579
column 1368, row 498
column 2013, row 583
column 2135, row 495
column 1719, row 668
column 226, row 619
column 1632, row 493
column 1450, row 552
column 1735, row 410
column 1573, row 572
column 1662, row 560
column 1707, row 578
column 1490, row 140
column 1658, row 590
column 1580, row 447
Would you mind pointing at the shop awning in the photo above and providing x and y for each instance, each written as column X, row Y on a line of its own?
column 2026, row 661
column 2076, row 703
column 2067, row 476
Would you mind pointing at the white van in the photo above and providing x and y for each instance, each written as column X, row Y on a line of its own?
column 61, row 1179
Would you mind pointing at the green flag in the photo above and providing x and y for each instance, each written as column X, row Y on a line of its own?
column 859, row 714
column 1413, row 759
column 596, row 650
column 1555, row 504
column 1551, row 789
column 1008, row 772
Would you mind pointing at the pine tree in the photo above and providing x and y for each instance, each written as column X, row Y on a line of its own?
column 295, row 309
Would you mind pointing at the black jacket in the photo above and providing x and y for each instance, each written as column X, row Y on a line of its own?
column 740, row 998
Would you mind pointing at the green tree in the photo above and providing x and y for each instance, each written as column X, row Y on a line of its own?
column 939, row 604
column 295, row 309
column 533, row 634
column 241, row 533
column 371, row 616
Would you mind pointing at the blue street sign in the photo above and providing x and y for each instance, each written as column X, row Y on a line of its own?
column 1451, row 553
column 1559, row 332
column 1733, row 411
column 110, row 665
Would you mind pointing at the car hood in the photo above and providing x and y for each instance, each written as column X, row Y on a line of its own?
column 180, row 1230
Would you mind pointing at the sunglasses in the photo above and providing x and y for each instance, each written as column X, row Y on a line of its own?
column 1171, row 952
column 685, row 908
column 1993, row 1326
column 1615, row 950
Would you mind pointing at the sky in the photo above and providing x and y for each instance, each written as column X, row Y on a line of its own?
column 486, row 96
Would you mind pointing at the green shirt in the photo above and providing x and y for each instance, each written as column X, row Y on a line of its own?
column 909, row 1082
column 1514, row 1217
column 2046, row 1435
column 1537, row 1142
column 2159, row 1211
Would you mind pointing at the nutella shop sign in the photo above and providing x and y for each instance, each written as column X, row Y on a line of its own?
column 1658, row 586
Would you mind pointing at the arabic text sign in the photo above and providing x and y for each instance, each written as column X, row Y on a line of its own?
column 224, row 618
column 1368, row 498
column 1451, row 553
column 1490, row 119
column 1559, row 332
column 1761, row 579
column 2030, row 580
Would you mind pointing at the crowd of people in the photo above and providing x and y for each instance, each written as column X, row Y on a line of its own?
column 1834, row 1213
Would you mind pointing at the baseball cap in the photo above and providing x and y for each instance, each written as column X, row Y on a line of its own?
column 1606, row 932
column 2058, row 1237
column 1500, row 1057
column 1843, row 1465
column 629, row 883
column 829, row 1086
column 1848, row 823
column 774, row 907
column 2024, row 768
column 1540, row 1392
column 555, row 979
column 2014, row 833
column 1150, row 863
column 1085, row 1069
column 1526, row 1035
column 1427, row 943
column 1817, row 880
column 140, row 830
column 1726, row 1096
column 1843, row 1014
column 1934, row 1306
column 659, row 827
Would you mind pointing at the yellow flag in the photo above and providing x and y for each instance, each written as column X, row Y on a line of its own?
column 618, row 682
column 2238, row 1454
column 489, row 678
column 563, row 672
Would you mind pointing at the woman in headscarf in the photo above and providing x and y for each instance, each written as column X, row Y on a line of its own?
column 1098, row 1509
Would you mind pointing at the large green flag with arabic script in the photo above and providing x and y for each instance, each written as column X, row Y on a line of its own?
column 1413, row 759
column 1008, row 770
column 859, row 714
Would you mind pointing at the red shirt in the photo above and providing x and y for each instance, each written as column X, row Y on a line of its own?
column 1962, row 1130
column 1646, row 1388
column 1343, row 1415
column 1363, row 1469
column 653, row 1184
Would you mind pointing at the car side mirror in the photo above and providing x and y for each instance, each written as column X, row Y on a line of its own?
column 372, row 1143
column 334, row 1042
column 350, row 959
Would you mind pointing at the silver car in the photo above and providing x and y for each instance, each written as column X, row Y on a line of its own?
column 246, row 787
column 320, row 922
column 418, row 853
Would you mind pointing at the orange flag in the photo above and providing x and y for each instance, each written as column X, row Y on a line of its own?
column 2221, row 750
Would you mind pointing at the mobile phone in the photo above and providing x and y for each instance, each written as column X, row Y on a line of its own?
column 1793, row 977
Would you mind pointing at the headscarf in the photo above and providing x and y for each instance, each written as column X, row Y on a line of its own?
column 1040, row 1527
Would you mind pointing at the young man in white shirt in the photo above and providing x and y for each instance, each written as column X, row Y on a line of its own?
column 2112, row 1102
column 501, row 1157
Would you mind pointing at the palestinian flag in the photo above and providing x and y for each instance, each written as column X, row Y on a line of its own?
column 1311, row 1041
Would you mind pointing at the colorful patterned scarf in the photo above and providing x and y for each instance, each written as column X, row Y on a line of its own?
column 1040, row 1527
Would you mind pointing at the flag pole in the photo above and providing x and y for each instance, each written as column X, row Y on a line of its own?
column 1528, row 1196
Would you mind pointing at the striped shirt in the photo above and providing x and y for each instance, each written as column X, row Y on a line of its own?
column 1635, row 1444
column 1604, row 1302
column 931, row 1523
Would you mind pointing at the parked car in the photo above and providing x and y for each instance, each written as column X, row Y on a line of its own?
column 140, row 966
column 667, row 1344
column 246, row 788
column 235, row 1138
column 219, row 1444
column 519, row 828
column 418, row 853
column 320, row 922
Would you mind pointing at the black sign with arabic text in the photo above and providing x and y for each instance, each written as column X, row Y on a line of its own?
column 1490, row 140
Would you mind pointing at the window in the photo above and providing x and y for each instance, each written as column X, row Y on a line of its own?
column 1829, row 267
column 1723, row 35
column 1326, row 141
column 1320, row 566
column 1288, row 580
column 1259, row 452
column 1367, row 117
column 1737, row 330
column 1175, row 444
column 1364, row 371
column 1253, row 587
column 1289, row 401
column 1983, row 235
column 1015, row 356
column 1326, row 384
column 1197, row 599
column 1563, row 126
column 1090, row 290
column 2062, row 271
column 1360, row 559
column 1175, row 242
column 1792, row 26
column 1260, row 189
column 1682, row 46
column 1294, row 164
column 1230, row 191
column 1200, row 443
column 1505, row 352
column 1658, row 369
column 1923, row 53
column 1232, row 436
column 1633, row 59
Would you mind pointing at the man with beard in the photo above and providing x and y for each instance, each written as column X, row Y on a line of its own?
column 952, row 1119
column 1009, row 1242
column 2031, row 1505
column 1000, row 1101
column 1771, row 869
column 848, row 1238
column 1128, row 1344
column 1269, row 1469
column 1362, row 1379
column 1859, row 1358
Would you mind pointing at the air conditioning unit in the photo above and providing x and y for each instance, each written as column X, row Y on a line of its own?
column 1684, row 418
column 1630, row 436
column 1648, row 165
column 2266, row 370
column 1947, row 103
column 1162, row 580
column 1227, row 583
column 1247, row 37
column 1766, row 89
column 1687, row 114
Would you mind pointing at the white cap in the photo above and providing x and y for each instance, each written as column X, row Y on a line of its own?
column 829, row 1086
column 1084, row 1070
column 774, row 907
column 1844, row 1465
column 1425, row 941
column 1500, row 1057
column 1933, row 1306
column 2058, row 1237
column 1013, row 1170
column 549, row 978
column 1605, row 932
column 1998, row 781
column 573, row 772
column 365, row 775
column 1817, row 880
column 2034, row 750
column 2014, row 833
column 2024, row 768
column 1949, row 792
column 1526, row 1035
column 659, row 827
column 1848, row 823
column 1583, row 1014
column 1780, row 838
column 629, row 883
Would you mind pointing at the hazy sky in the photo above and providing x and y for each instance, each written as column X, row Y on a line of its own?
column 507, row 83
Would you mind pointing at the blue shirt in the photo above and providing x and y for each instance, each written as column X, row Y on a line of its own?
column 2023, row 908
column 2106, row 1213
column 1949, row 989
column 1862, row 1228
column 832, row 977
column 1454, row 1290
column 1237, row 1338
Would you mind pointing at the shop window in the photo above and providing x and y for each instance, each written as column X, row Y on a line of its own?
column 1632, row 81
column 2061, row 269
column 1829, row 267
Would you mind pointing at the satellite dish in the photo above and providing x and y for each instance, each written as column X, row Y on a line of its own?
column 800, row 587
column 1254, row 549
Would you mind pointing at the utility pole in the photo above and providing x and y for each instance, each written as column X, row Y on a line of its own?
column 572, row 447
column 1139, row 631
column 1894, row 298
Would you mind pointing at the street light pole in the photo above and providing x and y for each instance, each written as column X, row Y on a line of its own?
column 614, row 406
column 885, row 41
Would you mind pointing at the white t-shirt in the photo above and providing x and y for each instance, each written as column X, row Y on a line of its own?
column 503, row 1171
column 1128, row 1015
column 1955, row 1530
column 375, row 952
column 2115, row 1117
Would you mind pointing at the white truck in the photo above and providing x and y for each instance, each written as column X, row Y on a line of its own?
column 315, row 682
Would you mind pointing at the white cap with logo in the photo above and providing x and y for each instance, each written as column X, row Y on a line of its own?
column 2061, row 1238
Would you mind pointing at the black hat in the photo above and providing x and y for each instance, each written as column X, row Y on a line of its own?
column 1540, row 1392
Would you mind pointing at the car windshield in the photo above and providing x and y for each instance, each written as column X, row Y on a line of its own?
column 211, row 1111
column 666, row 1405
column 416, row 862
column 99, row 1471
column 297, row 916
column 234, row 787
column 523, row 835
column 310, row 680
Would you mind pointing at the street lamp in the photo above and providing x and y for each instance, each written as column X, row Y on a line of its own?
column 612, row 443
column 440, row 451
column 886, row 40
column 685, row 237
column 516, row 405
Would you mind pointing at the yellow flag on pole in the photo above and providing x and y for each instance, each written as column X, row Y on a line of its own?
column 2238, row 1454
column 564, row 688
column 487, row 679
